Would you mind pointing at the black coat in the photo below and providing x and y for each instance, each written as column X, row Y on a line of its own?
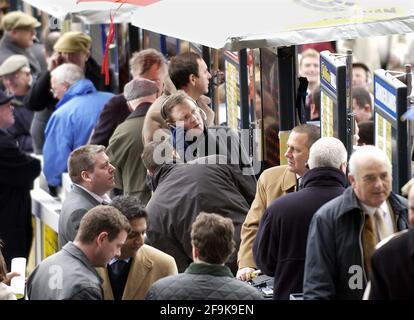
column 17, row 173
column 392, row 276
column 182, row 192
column 280, row 245
column 114, row 113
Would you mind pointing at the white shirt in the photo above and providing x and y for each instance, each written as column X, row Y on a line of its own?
column 386, row 214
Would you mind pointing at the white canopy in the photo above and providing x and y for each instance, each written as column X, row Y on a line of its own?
column 237, row 24
column 88, row 12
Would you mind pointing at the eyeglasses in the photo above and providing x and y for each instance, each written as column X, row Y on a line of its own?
column 11, row 77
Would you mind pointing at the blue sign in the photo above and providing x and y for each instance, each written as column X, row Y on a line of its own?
column 385, row 97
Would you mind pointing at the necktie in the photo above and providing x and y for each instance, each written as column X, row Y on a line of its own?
column 383, row 231
column 299, row 183
column 118, row 267
column 369, row 241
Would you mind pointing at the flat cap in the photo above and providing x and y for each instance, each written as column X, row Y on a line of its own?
column 138, row 88
column 13, row 64
column 73, row 42
column 18, row 19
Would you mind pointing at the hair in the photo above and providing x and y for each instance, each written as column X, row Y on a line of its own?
column 170, row 102
column 364, row 152
column 366, row 132
column 362, row 96
column 50, row 40
column 130, row 206
column 3, row 266
column 327, row 152
column 213, row 235
column 143, row 60
column 67, row 73
column 157, row 153
column 82, row 159
column 313, row 132
column 102, row 219
column 312, row 53
column 182, row 66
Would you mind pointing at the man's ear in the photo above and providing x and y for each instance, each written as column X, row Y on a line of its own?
column 86, row 176
column 351, row 179
column 101, row 238
column 192, row 79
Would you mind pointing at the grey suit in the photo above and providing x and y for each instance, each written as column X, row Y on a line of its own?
column 75, row 206
column 66, row 275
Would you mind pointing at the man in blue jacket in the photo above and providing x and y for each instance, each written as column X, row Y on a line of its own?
column 72, row 123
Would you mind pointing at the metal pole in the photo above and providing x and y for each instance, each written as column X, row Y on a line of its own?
column 350, row 130
column 244, row 90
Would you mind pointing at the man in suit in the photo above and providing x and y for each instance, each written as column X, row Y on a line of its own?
column 273, row 183
column 131, row 275
column 392, row 264
column 70, row 274
column 93, row 176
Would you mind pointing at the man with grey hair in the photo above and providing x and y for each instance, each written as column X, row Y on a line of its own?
column 125, row 145
column 71, row 124
column 93, row 176
column 280, row 245
column 344, row 232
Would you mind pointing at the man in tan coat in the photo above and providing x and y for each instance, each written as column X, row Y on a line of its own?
column 131, row 275
column 273, row 183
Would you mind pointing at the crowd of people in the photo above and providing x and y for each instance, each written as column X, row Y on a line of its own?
column 166, row 205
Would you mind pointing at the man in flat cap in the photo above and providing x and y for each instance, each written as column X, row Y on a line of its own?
column 17, row 173
column 19, row 33
column 17, row 79
column 71, row 47
column 125, row 145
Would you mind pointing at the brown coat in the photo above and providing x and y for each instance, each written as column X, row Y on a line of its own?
column 148, row 266
column 272, row 184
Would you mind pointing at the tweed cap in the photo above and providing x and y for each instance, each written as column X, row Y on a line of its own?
column 13, row 64
column 138, row 88
column 18, row 19
column 73, row 42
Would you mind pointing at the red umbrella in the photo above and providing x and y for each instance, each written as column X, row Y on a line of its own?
column 110, row 37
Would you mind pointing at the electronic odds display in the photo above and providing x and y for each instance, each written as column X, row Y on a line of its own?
column 391, row 134
column 333, row 96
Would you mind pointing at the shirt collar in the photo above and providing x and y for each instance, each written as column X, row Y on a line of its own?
column 105, row 198
column 115, row 260
column 371, row 210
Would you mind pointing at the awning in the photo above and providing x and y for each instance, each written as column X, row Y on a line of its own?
column 237, row 24
column 91, row 12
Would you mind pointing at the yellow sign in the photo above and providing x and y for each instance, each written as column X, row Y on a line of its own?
column 283, row 138
column 232, row 95
column 383, row 138
column 327, row 116
column 50, row 241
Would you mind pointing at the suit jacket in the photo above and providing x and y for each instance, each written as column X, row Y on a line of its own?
column 75, row 206
column 392, row 276
column 148, row 265
column 272, row 184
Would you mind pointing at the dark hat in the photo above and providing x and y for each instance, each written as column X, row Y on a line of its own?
column 73, row 42
column 13, row 64
column 138, row 88
column 18, row 19
column 4, row 98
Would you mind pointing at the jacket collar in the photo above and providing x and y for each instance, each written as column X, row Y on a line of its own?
column 74, row 251
column 288, row 180
column 211, row 269
column 350, row 203
column 325, row 176
column 78, row 190
column 79, row 88
column 140, row 111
